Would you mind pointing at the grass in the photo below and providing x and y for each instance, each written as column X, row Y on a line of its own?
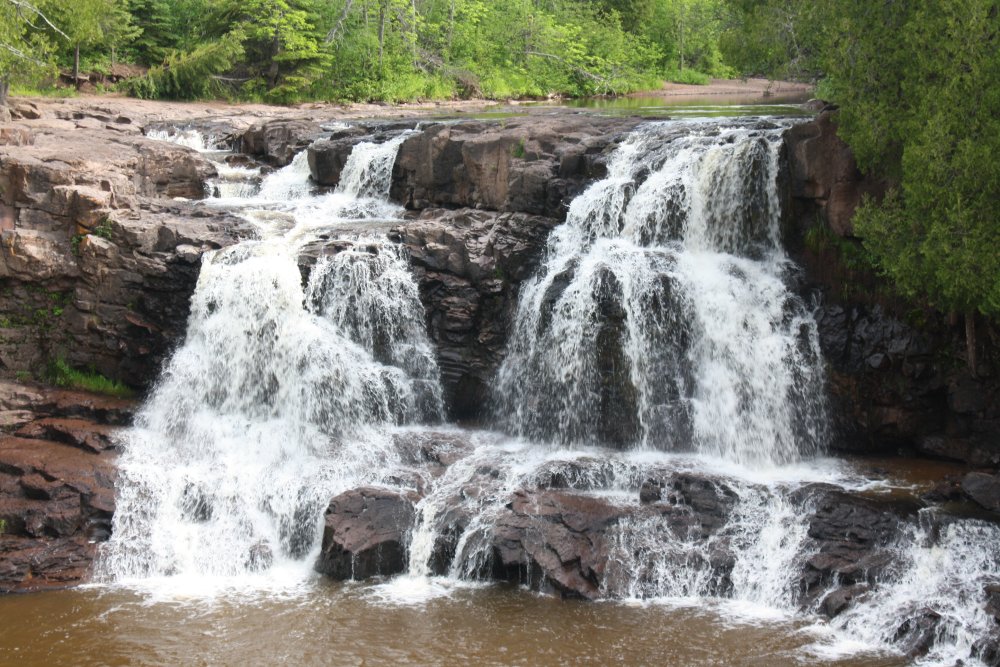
column 689, row 76
column 20, row 90
column 62, row 375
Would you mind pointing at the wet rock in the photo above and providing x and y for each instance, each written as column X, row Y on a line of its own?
column 530, row 165
column 469, row 265
column 984, row 489
column 852, row 538
column 277, row 141
column 916, row 635
column 840, row 599
column 327, row 157
column 260, row 558
column 651, row 491
column 81, row 433
column 555, row 542
column 364, row 533
column 56, row 503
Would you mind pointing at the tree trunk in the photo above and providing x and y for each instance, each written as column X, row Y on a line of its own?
column 76, row 67
column 381, row 35
column 970, row 341
column 4, row 91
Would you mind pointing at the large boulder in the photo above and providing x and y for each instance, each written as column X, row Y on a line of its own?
column 365, row 533
column 530, row 165
column 276, row 141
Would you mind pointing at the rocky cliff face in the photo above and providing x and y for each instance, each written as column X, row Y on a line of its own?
column 898, row 371
column 98, row 251
column 57, row 477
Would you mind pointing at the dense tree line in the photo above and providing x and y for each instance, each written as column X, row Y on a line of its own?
column 918, row 81
column 287, row 50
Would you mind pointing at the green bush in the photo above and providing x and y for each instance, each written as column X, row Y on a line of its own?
column 62, row 374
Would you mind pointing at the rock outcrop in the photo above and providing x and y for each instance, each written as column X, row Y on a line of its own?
column 898, row 373
column 57, row 477
column 525, row 165
column 469, row 265
column 97, row 263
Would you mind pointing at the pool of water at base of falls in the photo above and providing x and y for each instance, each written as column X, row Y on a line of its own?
column 325, row 623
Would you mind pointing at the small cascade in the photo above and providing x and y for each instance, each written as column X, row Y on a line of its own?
column 190, row 138
column 662, row 316
column 371, row 173
column 291, row 182
column 278, row 399
column 935, row 601
column 748, row 559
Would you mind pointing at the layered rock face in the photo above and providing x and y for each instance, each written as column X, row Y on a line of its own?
column 898, row 372
column 57, row 477
column 98, row 254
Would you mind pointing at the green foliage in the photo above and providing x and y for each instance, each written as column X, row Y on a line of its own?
column 190, row 74
column 103, row 229
column 779, row 38
column 688, row 76
column 62, row 375
column 915, row 98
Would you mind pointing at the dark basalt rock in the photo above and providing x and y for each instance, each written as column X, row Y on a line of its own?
column 364, row 534
column 56, row 503
column 555, row 542
column 277, row 141
column 984, row 489
column 469, row 265
column 852, row 543
column 529, row 165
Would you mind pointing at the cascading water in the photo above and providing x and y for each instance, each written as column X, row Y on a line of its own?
column 661, row 323
column 662, row 316
column 278, row 397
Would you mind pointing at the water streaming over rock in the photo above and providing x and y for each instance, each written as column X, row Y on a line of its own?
column 662, row 323
column 278, row 397
column 663, row 317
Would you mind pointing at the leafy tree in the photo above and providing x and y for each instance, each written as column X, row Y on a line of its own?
column 918, row 83
column 90, row 24
column 24, row 48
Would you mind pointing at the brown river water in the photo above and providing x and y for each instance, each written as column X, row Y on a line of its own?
column 337, row 624
column 325, row 623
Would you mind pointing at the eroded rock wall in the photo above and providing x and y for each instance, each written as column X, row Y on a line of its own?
column 99, row 251
column 898, row 370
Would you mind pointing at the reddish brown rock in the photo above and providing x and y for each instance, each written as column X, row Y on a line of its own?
column 56, row 503
column 365, row 534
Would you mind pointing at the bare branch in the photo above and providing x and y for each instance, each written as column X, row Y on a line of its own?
column 21, row 54
column 24, row 4
column 332, row 35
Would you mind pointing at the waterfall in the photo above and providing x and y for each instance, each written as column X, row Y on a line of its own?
column 279, row 397
column 662, row 316
column 936, row 593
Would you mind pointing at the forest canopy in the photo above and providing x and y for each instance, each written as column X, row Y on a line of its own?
column 361, row 50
